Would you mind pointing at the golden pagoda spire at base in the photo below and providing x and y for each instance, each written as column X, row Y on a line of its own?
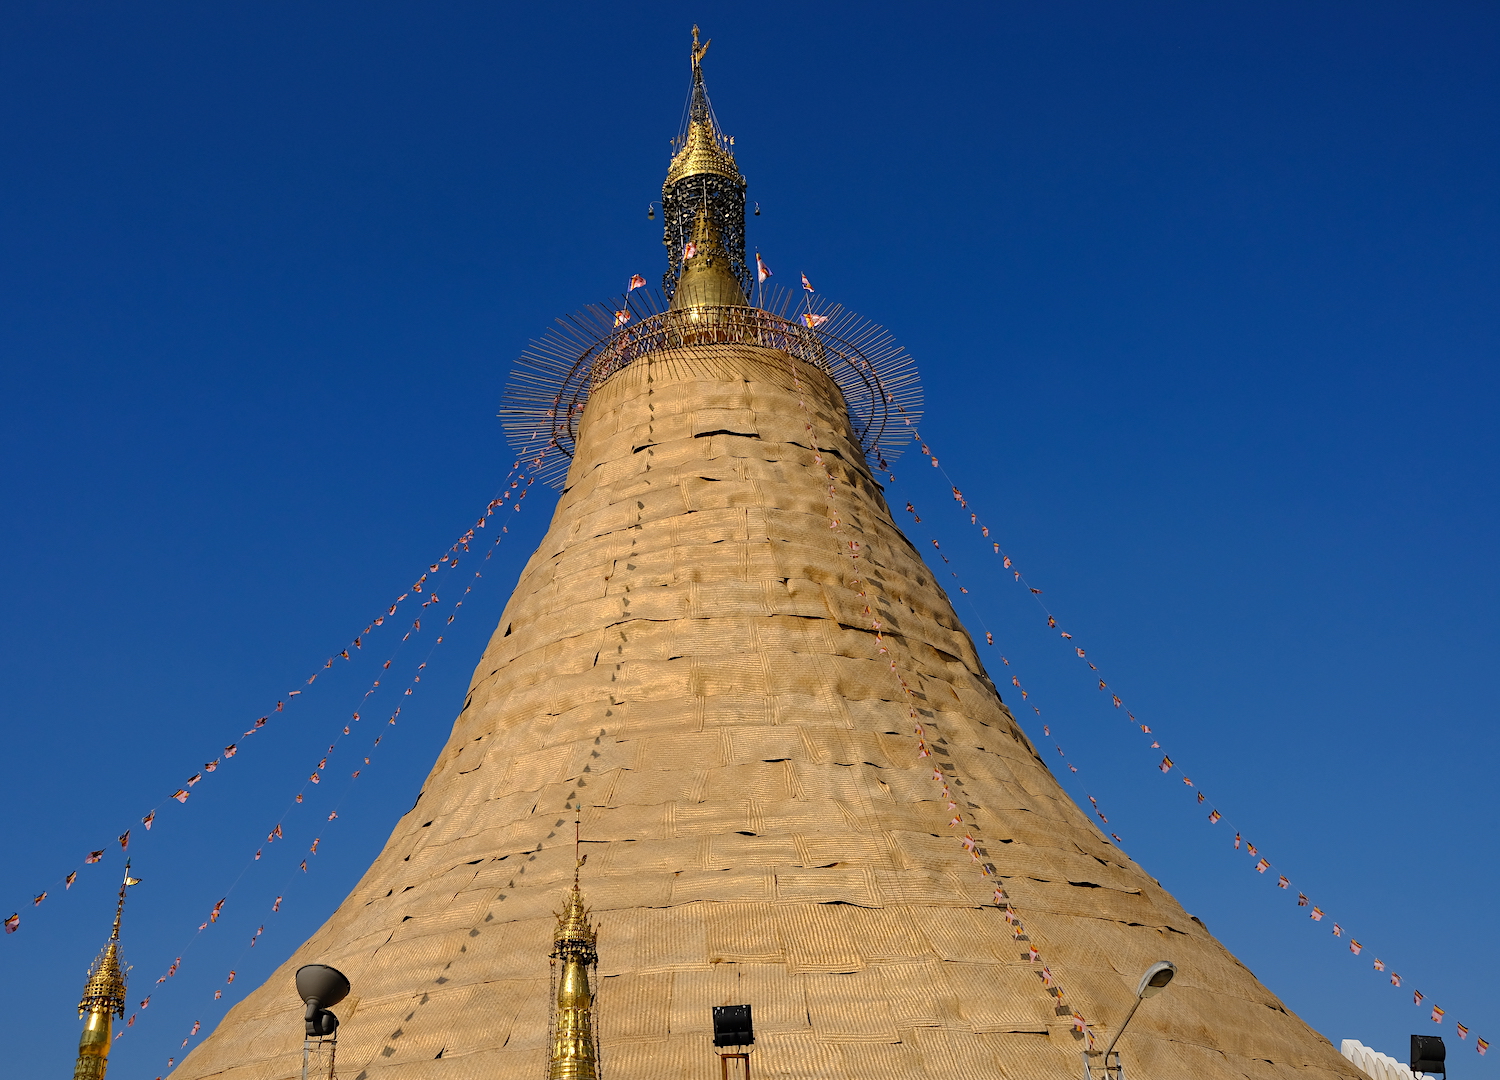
column 574, row 1046
column 103, row 999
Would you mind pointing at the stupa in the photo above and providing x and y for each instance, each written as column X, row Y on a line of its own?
column 729, row 664
column 103, row 999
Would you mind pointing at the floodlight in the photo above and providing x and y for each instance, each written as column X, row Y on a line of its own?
column 320, row 986
column 733, row 1025
column 1428, row 1054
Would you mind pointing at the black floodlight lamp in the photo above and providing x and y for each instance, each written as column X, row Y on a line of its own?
column 1156, row 979
column 1428, row 1054
column 733, row 1026
column 320, row 986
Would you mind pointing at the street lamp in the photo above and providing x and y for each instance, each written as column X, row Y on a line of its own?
column 1153, row 982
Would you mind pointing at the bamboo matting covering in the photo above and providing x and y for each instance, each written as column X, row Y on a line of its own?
column 684, row 656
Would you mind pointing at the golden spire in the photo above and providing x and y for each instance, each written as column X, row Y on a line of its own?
column 704, row 180
column 703, row 149
column 575, row 1051
column 103, row 998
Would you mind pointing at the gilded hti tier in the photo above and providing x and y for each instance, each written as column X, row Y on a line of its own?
column 686, row 667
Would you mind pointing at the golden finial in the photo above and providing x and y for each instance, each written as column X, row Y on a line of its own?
column 575, row 1050
column 103, row 998
column 699, row 50
column 578, row 860
column 703, row 177
column 701, row 150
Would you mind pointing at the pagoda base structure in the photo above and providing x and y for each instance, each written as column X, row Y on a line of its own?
column 687, row 663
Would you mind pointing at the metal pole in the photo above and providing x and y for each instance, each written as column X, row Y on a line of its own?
column 1120, row 1031
column 305, row 1049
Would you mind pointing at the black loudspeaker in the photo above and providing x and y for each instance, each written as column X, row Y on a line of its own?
column 319, row 985
column 733, row 1026
column 1428, row 1053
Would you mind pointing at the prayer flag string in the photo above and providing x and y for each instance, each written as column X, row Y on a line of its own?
column 964, row 829
column 1015, row 680
column 511, row 493
column 1261, row 865
column 514, row 494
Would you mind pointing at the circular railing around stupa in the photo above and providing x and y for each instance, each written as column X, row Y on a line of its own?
column 554, row 377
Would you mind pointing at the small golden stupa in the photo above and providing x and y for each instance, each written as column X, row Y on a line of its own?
column 103, row 999
column 575, row 1048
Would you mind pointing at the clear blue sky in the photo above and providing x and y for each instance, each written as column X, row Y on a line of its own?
column 1204, row 301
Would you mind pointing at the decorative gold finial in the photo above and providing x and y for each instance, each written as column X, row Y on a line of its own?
column 575, row 1049
column 103, row 998
column 703, row 176
column 699, row 50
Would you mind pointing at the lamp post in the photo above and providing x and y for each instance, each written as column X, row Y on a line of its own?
column 1153, row 982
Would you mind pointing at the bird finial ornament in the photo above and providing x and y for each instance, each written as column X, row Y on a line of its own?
column 699, row 50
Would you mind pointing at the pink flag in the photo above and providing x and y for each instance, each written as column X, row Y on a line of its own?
column 762, row 271
column 807, row 284
column 636, row 282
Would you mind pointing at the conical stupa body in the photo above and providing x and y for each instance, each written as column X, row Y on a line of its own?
column 685, row 657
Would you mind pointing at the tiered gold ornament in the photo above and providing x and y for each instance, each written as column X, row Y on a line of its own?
column 575, row 1048
column 103, row 999
column 703, row 179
